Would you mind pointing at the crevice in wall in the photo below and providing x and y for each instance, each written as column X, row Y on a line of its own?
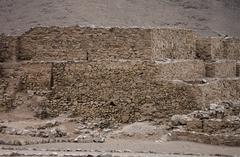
column 51, row 77
column 17, row 50
column 87, row 56
column 238, row 70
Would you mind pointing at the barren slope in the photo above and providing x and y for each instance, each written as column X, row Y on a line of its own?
column 205, row 16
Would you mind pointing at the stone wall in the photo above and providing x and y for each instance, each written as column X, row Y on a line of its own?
column 221, row 69
column 123, row 74
column 217, row 48
column 106, row 88
column 35, row 76
column 42, row 44
column 173, row 43
column 74, row 43
column 217, row 90
column 8, row 46
column 217, row 124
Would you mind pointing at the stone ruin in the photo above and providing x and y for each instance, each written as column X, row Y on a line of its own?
column 126, row 75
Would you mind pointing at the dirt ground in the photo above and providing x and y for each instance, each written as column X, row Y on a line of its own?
column 137, row 139
column 209, row 17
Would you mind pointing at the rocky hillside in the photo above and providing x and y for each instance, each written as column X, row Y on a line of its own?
column 209, row 17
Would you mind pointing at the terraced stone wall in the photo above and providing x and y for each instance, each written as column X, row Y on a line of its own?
column 218, row 48
column 173, row 44
column 75, row 43
column 124, row 74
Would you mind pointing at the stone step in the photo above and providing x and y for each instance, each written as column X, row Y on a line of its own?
column 39, row 74
column 69, row 43
column 220, row 118
column 136, row 89
column 220, row 89
column 216, row 139
column 94, row 97
column 104, row 88
column 221, row 69
column 173, row 44
column 217, row 48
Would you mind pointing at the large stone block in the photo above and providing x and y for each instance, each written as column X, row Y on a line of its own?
column 203, row 48
column 85, row 43
column 216, row 48
column 145, row 70
column 8, row 45
column 178, row 70
column 213, row 125
column 118, row 43
column 221, row 69
column 35, row 76
column 76, row 43
column 194, row 125
column 52, row 43
column 216, row 139
column 231, row 49
column 218, row 90
column 113, row 89
column 173, row 43
column 8, row 86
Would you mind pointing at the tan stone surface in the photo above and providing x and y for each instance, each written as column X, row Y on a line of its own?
column 8, row 46
column 221, row 90
column 85, row 43
column 173, row 43
column 221, row 69
column 35, row 76
column 217, row 139
column 121, row 88
column 51, row 44
column 217, row 48
column 114, row 73
column 119, row 43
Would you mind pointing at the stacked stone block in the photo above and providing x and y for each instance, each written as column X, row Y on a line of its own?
column 221, row 69
column 150, row 72
column 218, row 48
column 173, row 44
column 75, row 43
column 217, row 124
column 221, row 56
column 35, row 76
column 121, row 85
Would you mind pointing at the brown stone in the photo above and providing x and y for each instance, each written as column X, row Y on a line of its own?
column 217, row 48
column 195, row 125
column 173, row 43
column 221, row 69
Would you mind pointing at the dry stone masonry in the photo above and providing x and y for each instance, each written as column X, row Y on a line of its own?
column 120, row 74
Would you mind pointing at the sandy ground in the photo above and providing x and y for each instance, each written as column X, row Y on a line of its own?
column 129, row 148
column 137, row 139
column 146, row 146
column 209, row 17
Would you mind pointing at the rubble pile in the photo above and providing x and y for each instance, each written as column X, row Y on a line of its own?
column 216, row 124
